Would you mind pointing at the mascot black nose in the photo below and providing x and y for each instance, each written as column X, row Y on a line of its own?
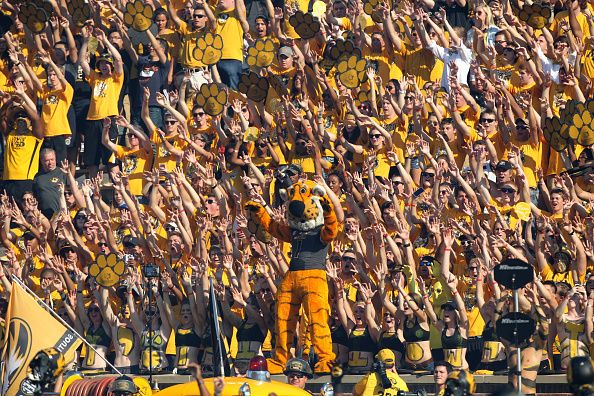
column 296, row 208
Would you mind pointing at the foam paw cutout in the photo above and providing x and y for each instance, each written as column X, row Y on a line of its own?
column 536, row 15
column 336, row 51
column 138, row 16
column 209, row 48
column 351, row 71
column 372, row 8
column 261, row 53
column 253, row 86
column 306, row 25
column 107, row 270
column 552, row 133
column 44, row 5
column 80, row 11
column 212, row 99
column 33, row 17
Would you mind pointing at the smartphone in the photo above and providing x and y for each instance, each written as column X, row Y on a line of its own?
column 418, row 193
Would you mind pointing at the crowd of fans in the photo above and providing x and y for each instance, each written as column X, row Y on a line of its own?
column 436, row 164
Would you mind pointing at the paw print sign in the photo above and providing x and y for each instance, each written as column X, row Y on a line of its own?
column 337, row 51
column 209, row 48
column 212, row 98
column 372, row 8
column 107, row 269
column 138, row 16
column 261, row 53
column 537, row 15
column 306, row 25
column 80, row 11
column 33, row 17
column 254, row 86
column 351, row 71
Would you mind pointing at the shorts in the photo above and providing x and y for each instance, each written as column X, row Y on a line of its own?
column 95, row 152
column 59, row 144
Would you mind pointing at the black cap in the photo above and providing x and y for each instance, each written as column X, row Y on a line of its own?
column 130, row 241
column 504, row 165
column 580, row 372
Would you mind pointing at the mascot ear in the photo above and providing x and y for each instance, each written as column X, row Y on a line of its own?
column 283, row 194
column 318, row 190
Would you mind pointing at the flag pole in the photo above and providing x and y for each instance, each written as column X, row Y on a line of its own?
column 62, row 321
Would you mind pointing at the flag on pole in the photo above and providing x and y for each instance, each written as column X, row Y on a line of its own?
column 220, row 360
column 29, row 329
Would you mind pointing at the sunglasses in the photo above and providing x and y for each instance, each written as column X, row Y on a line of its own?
column 169, row 229
column 198, row 16
column 425, row 263
column 67, row 192
column 443, row 192
column 427, row 174
column 200, row 114
column 487, row 120
column 102, row 244
column 522, row 126
column 348, row 259
column 296, row 375
column 170, row 122
column 374, row 136
column 507, row 190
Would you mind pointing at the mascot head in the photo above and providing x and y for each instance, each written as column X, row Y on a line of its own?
column 304, row 205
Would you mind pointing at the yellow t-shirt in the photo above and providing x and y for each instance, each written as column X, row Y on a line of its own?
column 188, row 44
column 421, row 63
column 105, row 96
column 371, row 385
column 21, row 157
column 164, row 156
column 54, row 112
column 230, row 29
column 134, row 163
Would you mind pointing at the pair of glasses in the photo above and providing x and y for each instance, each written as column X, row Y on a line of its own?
column 487, row 120
column 397, row 182
column 427, row 174
column 443, row 192
column 102, row 244
column 425, row 263
column 296, row 375
column 198, row 16
column 199, row 114
column 507, row 190
column 169, row 229
column 374, row 136
column 170, row 122
column 131, row 135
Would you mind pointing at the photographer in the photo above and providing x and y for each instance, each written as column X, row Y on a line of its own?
column 384, row 376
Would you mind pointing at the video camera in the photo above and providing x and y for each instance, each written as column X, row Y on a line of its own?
column 150, row 271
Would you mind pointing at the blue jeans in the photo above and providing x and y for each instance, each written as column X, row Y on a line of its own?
column 230, row 71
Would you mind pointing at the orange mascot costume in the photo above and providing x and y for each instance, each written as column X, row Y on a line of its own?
column 310, row 226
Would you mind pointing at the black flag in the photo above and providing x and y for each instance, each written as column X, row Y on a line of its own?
column 219, row 352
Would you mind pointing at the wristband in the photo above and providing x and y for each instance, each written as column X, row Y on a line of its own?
column 426, row 297
column 405, row 244
column 447, row 249
column 368, row 302
column 454, row 292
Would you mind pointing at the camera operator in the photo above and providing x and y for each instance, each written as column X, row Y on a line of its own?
column 460, row 383
column 384, row 376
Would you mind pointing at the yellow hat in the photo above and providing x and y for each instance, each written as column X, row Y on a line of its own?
column 387, row 357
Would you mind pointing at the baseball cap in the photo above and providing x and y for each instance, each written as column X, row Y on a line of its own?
column 297, row 365
column 106, row 56
column 387, row 357
column 286, row 51
column 449, row 305
column 171, row 228
column 504, row 165
column 130, row 241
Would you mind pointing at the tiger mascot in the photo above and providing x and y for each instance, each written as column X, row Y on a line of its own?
column 310, row 226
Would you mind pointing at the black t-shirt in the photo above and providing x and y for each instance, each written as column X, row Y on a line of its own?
column 45, row 189
column 155, row 82
column 457, row 16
